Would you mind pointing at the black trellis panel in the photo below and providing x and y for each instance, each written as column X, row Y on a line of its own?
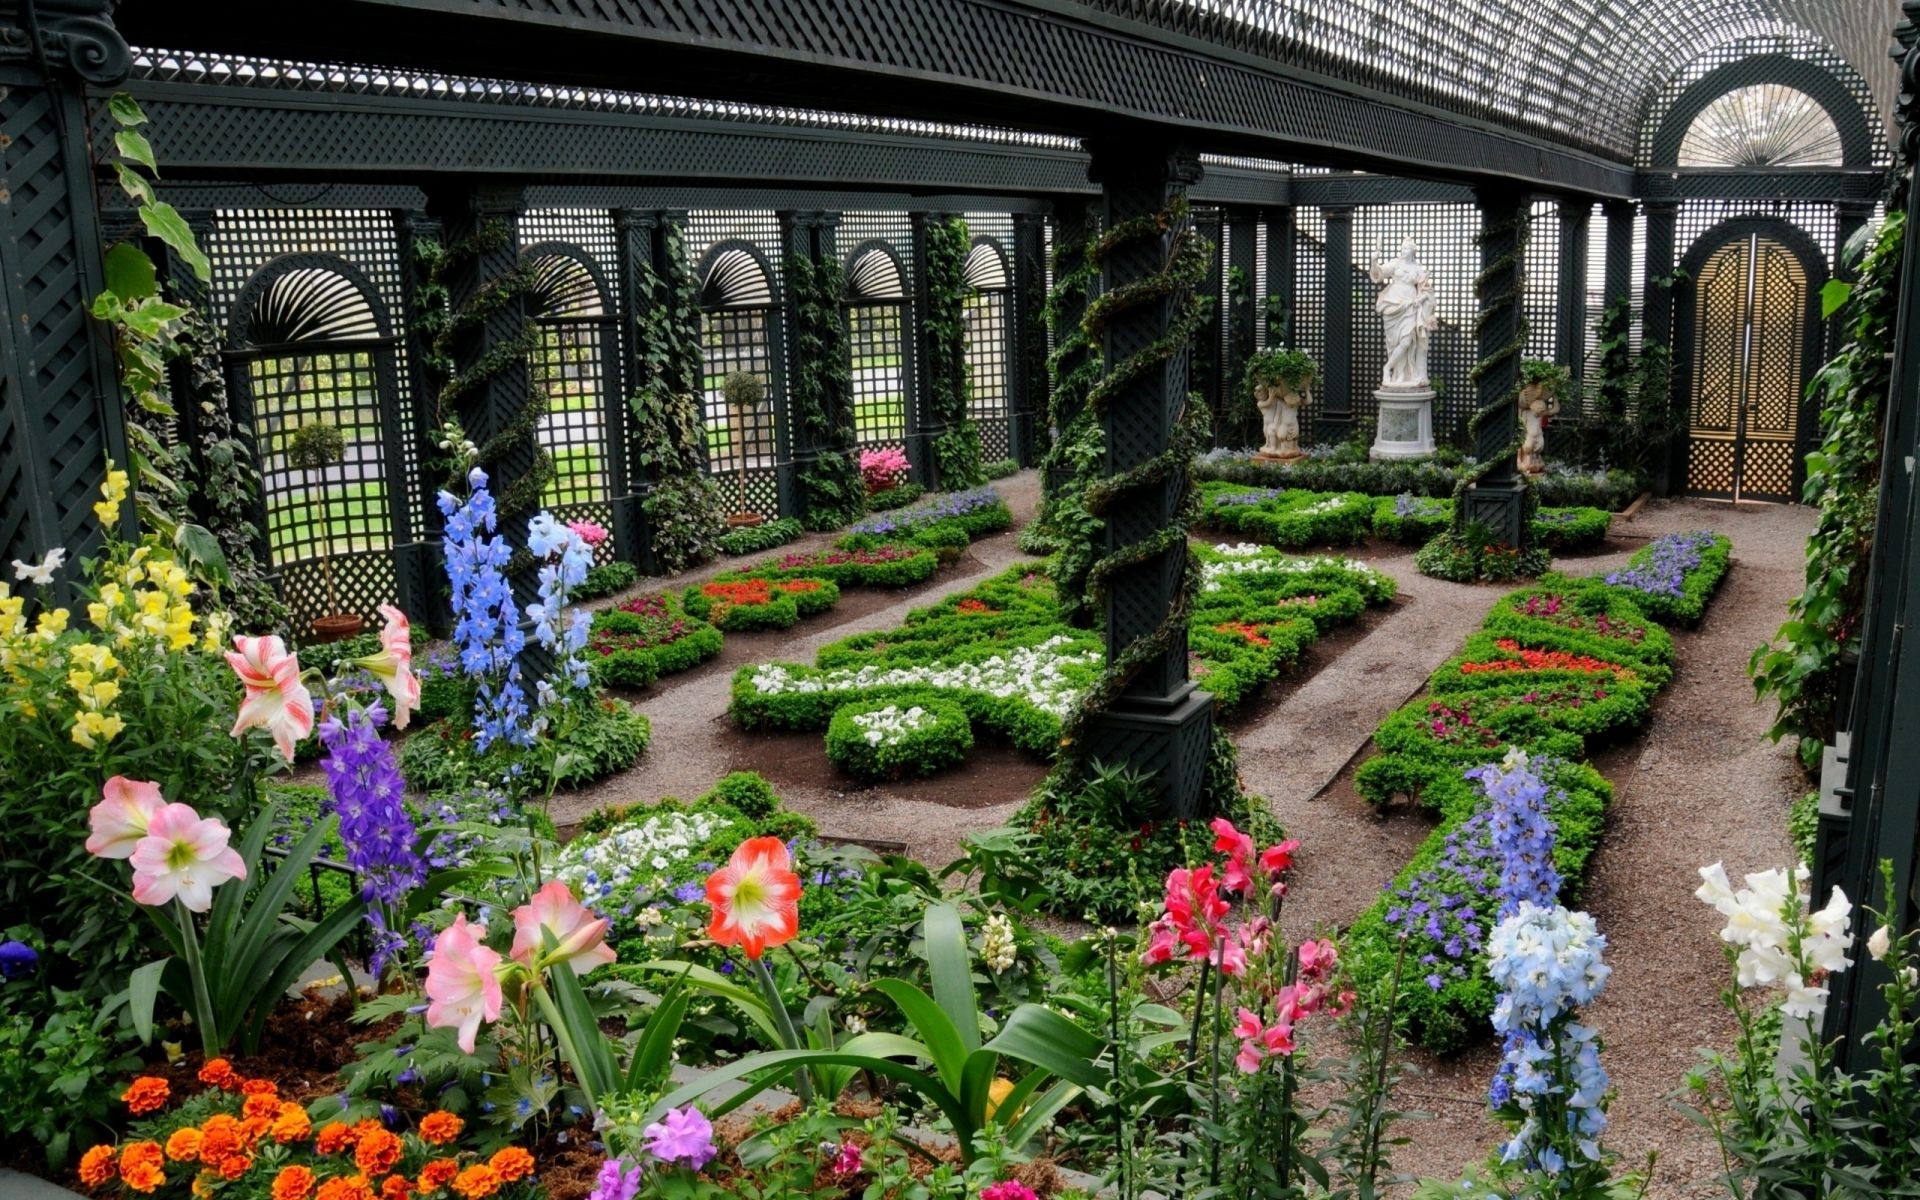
column 737, row 252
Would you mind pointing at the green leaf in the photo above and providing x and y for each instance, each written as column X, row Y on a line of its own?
column 143, row 987
column 149, row 318
column 1834, row 296
column 202, row 549
column 133, row 144
column 654, row 1053
column 163, row 222
column 945, row 1048
column 951, row 967
column 1037, row 1035
column 134, row 184
column 130, row 273
column 126, row 110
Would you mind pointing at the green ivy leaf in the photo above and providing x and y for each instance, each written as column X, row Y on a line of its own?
column 126, row 110
column 1834, row 296
column 133, row 144
column 165, row 223
column 130, row 273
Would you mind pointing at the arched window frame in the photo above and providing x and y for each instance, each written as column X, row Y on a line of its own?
column 758, row 299
column 989, row 278
column 1852, row 121
column 570, row 300
column 889, row 308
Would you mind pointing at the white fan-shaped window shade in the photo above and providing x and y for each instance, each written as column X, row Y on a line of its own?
column 986, row 270
column 736, row 279
column 562, row 286
column 311, row 304
column 1763, row 125
column 874, row 275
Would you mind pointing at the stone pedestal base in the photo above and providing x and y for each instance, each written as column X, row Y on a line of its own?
column 1405, row 426
column 1282, row 459
column 1169, row 742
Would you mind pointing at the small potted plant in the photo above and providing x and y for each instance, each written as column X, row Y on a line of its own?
column 315, row 446
column 744, row 392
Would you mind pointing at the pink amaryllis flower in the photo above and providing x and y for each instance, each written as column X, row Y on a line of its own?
column 183, row 856
column 276, row 700
column 393, row 665
column 120, row 820
column 579, row 937
column 462, row 987
column 755, row 898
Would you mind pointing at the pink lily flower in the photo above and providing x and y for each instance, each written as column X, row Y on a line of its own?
column 393, row 666
column 120, row 820
column 183, row 855
column 579, row 937
column 276, row 699
column 462, row 989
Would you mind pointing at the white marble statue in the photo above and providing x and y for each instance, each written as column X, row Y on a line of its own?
column 1405, row 305
column 1537, row 403
column 1279, row 404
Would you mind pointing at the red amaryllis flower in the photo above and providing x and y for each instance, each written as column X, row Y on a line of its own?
column 755, row 898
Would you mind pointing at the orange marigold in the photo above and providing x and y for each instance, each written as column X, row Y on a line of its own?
column 376, row 1152
column 260, row 1087
column 235, row 1165
column 477, row 1182
column 440, row 1127
column 220, row 1139
column 218, row 1072
column 334, row 1137
column 258, row 1106
column 438, row 1174
column 293, row 1183
column 147, row 1094
column 97, row 1165
column 511, row 1163
column 143, row 1166
column 291, row 1125
column 346, row 1187
column 184, row 1144
column 396, row 1188
column 202, row 1188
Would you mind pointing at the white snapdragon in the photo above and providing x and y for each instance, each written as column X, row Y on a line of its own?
column 998, row 948
column 1764, row 918
column 1035, row 674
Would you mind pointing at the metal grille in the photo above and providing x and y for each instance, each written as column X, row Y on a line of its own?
column 876, row 339
column 1310, row 297
column 989, row 351
column 1261, row 285
column 1773, row 43
column 1542, row 295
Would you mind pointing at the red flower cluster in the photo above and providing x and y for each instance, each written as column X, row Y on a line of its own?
column 745, row 591
column 973, row 607
column 1544, row 660
column 1250, row 632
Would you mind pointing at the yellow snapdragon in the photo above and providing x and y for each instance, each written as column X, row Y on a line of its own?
column 113, row 493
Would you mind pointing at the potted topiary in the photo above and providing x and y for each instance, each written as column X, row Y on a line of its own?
column 1280, row 382
column 315, row 446
column 1540, row 386
column 744, row 393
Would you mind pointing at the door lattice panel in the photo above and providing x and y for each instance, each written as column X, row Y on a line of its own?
column 986, row 321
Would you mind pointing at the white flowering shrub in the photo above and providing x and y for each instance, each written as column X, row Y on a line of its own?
column 918, row 737
column 636, row 871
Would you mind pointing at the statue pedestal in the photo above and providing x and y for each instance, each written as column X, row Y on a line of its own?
column 1405, row 426
column 1283, row 459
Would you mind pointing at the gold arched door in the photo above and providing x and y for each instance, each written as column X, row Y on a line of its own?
column 1750, row 305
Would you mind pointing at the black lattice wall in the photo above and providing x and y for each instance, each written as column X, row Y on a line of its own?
column 990, row 317
column 747, row 338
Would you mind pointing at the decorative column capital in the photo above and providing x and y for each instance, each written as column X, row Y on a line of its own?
column 75, row 37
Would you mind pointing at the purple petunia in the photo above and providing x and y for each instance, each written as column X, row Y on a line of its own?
column 683, row 1136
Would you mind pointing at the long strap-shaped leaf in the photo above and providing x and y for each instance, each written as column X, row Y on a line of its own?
column 1042, row 1039
column 951, row 968
column 874, row 1052
column 237, row 951
column 945, row 1048
column 315, row 944
column 592, row 1054
column 653, row 1053
column 715, row 984
column 228, row 901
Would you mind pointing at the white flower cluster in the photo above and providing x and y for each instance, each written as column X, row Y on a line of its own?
column 890, row 726
column 998, row 949
column 1764, row 918
column 611, row 874
column 1249, row 558
column 1034, row 674
column 1330, row 504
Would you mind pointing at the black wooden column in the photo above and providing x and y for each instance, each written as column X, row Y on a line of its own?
column 1881, row 794
column 1656, row 323
column 60, row 406
column 637, row 251
column 1160, row 725
column 1616, row 305
column 1075, row 223
column 796, row 242
column 1570, row 313
column 1498, row 498
column 1283, row 237
column 1205, row 371
column 422, row 561
column 1334, row 422
column 923, row 429
column 1027, row 379
column 1243, row 316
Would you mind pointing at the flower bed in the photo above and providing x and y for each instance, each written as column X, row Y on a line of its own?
column 1284, row 518
column 1417, row 520
column 887, row 565
column 743, row 604
column 1472, row 557
column 1676, row 574
column 978, row 511
column 894, row 739
column 641, row 639
column 753, row 539
column 609, row 737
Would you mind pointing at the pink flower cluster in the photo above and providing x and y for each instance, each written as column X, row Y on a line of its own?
column 590, row 532
column 1307, row 994
column 882, row 469
column 463, row 978
column 176, row 854
column 1010, row 1189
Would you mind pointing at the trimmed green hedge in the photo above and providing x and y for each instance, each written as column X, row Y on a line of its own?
column 893, row 745
column 1611, row 490
column 1471, row 558
column 887, row 565
column 754, row 539
column 646, row 637
column 1673, row 577
column 898, row 496
column 1417, row 520
column 1288, row 519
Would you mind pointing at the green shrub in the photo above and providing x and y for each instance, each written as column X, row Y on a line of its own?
column 1473, row 556
column 755, row 539
column 606, row 579
column 1416, row 520
column 887, row 741
column 609, row 737
column 1571, row 528
column 1803, row 826
column 748, row 792
column 1289, row 519
column 1351, row 472
column 1000, row 468
column 645, row 637
column 898, row 496
column 737, row 605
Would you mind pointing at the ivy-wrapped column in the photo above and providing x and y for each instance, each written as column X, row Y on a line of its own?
column 1497, row 498
column 1241, row 426
column 826, row 488
column 1027, row 389
column 1075, row 360
column 1334, row 421
column 1616, row 314
column 1283, row 236
column 423, row 297
column 1570, row 311
column 1145, row 713
column 950, row 440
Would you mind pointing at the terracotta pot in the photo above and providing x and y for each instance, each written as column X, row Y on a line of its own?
column 337, row 627
column 744, row 520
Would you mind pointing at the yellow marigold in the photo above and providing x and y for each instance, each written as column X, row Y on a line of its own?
column 97, row 1165
column 439, row 1127
column 438, row 1174
column 183, row 1145
column 293, row 1183
column 143, row 1166
column 511, row 1163
column 376, row 1152
column 477, row 1182
column 146, row 1094
column 291, row 1125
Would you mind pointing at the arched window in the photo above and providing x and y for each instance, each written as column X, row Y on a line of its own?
column 1762, row 125
column 739, row 333
column 877, row 343
column 310, row 344
column 572, row 364
column 988, row 324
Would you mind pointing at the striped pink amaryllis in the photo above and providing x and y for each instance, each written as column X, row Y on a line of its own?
column 276, row 700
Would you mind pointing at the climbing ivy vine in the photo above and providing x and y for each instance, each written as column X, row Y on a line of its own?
column 956, row 448
column 1801, row 668
column 1065, row 529
column 684, row 510
column 831, row 492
